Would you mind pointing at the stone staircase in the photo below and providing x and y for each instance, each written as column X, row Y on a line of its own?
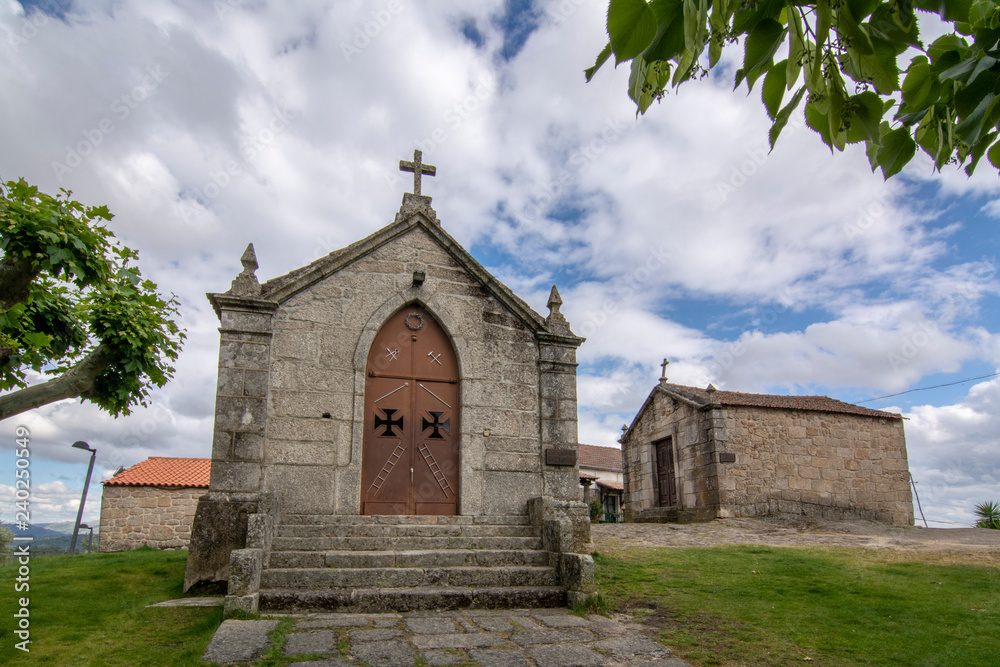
column 405, row 563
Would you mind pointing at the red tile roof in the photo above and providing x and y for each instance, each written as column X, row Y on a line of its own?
column 604, row 458
column 614, row 486
column 813, row 403
column 165, row 471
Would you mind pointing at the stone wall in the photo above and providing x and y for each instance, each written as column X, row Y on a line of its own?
column 828, row 465
column 819, row 464
column 135, row 515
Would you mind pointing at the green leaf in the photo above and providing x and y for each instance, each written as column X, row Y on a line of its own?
column 36, row 339
column 602, row 58
column 820, row 122
column 855, row 34
column 761, row 44
column 782, row 118
column 631, row 26
column 918, row 84
column 668, row 42
column 774, row 89
column 979, row 150
column 865, row 117
column 881, row 67
column 896, row 149
column 970, row 128
column 796, row 49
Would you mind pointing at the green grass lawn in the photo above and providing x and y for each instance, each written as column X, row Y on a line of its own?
column 720, row 606
column 91, row 610
column 779, row 606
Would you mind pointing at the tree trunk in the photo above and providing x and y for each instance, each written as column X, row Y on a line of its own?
column 75, row 382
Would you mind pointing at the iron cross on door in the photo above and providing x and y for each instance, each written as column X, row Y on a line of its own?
column 409, row 462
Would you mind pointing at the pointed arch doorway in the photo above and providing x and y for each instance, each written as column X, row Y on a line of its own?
column 409, row 461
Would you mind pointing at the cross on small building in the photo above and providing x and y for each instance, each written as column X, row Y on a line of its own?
column 418, row 168
column 663, row 376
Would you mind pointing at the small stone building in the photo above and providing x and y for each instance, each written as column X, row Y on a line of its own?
column 152, row 503
column 699, row 454
column 392, row 382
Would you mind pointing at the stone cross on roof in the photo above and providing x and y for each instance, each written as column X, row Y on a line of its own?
column 663, row 376
column 418, row 168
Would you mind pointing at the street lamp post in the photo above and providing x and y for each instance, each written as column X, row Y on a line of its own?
column 80, row 444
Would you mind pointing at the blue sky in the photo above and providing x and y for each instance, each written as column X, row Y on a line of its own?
column 205, row 126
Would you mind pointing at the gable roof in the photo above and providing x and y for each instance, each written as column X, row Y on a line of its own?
column 813, row 403
column 604, row 458
column 165, row 471
column 710, row 396
column 413, row 214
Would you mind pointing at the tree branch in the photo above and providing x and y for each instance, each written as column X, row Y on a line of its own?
column 77, row 381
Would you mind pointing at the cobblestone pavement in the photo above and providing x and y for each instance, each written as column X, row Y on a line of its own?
column 796, row 531
column 488, row 638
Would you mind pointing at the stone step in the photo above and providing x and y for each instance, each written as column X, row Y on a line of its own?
column 403, row 543
column 310, row 519
column 381, row 600
column 427, row 558
column 406, row 530
column 408, row 577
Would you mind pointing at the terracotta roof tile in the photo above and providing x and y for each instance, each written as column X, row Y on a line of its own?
column 614, row 486
column 605, row 458
column 165, row 471
column 813, row 403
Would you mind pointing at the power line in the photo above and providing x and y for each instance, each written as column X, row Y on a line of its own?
column 937, row 386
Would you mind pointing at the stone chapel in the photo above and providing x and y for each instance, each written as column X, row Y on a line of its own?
column 394, row 429
column 695, row 454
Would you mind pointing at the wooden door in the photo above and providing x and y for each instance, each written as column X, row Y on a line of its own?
column 665, row 474
column 410, row 461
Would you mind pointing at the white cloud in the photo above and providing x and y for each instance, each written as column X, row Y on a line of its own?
column 676, row 234
column 953, row 453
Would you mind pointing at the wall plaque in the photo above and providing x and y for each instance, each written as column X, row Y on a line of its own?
column 560, row 457
column 727, row 457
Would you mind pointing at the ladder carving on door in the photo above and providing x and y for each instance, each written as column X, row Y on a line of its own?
column 435, row 469
column 387, row 468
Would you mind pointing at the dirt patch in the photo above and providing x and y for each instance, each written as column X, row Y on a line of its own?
column 975, row 544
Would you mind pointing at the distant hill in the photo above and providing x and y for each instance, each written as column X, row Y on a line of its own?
column 47, row 530
column 35, row 531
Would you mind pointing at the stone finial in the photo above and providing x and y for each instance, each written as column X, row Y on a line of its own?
column 711, row 393
column 246, row 283
column 663, row 375
column 556, row 321
column 624, row 433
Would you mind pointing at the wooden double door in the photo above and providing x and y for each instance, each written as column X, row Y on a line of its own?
column 666, row 473
column 410, row 462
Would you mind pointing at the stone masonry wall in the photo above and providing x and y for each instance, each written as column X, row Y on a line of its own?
column 818, row 464
column 135, row 515
column 321, row 338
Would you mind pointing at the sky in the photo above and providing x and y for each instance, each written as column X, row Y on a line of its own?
column 206, row 126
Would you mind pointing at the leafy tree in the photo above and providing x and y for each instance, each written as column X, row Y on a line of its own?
column 842, row 60
column 72, row 307
column 988, row 515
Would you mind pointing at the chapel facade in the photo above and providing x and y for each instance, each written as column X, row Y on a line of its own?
column 394, row 382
